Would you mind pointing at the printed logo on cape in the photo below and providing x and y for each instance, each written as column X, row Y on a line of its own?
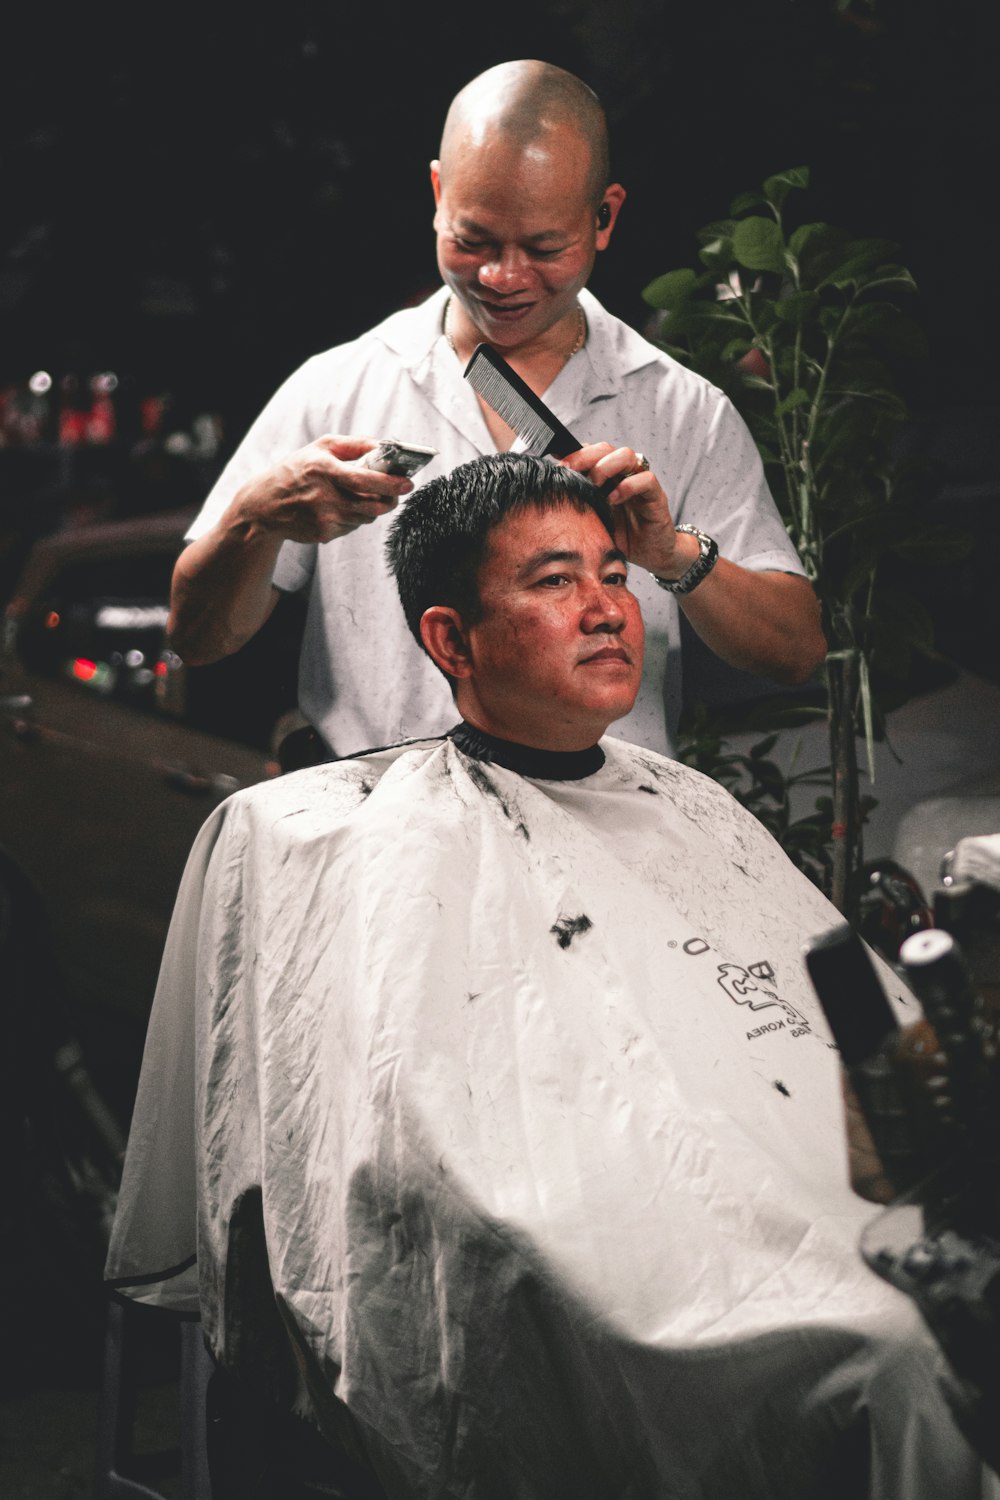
column 742, row 987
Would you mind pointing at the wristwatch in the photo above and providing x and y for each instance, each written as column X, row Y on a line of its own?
column 699, row 569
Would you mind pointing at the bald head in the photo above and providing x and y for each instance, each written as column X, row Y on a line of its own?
column 522, row 103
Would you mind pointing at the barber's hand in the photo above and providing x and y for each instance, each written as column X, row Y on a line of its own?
column 320, row 492
column 644, row 527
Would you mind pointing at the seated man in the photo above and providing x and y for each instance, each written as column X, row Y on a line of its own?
column 485, row 1077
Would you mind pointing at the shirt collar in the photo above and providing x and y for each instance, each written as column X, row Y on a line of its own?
column 413, row 332
column 613, row 351
column 526, row 760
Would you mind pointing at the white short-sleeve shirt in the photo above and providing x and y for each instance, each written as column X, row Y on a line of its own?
column 363, row 681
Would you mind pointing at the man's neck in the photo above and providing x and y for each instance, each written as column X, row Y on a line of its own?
column 537, row 362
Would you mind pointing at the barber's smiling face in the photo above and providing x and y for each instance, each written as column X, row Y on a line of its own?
column 517, row 235
column 557, row 654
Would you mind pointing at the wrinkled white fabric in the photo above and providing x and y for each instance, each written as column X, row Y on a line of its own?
column 546, row 1126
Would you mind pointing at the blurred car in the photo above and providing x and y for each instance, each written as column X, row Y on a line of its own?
column 112, row 754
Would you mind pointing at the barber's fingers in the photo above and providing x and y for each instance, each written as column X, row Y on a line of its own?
column 608, row 466
column 349, row 449
column 335, row 494
column 342, row 512
column 611, row 471
column 584, row 459
column 354, row 478
column 314, row 496
column 643, row 525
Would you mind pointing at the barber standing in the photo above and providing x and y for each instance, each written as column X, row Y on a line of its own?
column 524, row 202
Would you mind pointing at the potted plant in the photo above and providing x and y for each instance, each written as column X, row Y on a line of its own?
column 807, row 329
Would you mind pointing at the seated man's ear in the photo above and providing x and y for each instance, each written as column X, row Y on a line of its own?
column 445, row 640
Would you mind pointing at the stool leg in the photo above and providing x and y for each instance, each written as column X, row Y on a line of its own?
column 116, row 1414
column 196, row 1367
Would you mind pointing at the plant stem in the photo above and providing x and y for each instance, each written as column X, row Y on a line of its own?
column 842, row 674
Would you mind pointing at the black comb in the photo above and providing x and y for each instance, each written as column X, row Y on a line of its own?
column 503, row 389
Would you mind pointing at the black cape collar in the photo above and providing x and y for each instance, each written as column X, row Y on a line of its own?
column 543, row 765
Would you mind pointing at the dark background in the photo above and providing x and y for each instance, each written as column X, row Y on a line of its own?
column 198, row 198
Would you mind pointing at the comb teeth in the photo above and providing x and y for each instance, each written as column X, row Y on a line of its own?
column 497, row 391
column 502, row 388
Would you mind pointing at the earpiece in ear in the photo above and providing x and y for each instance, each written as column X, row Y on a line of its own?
column 604, row 216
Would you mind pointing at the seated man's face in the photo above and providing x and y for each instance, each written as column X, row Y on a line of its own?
column 557, row 655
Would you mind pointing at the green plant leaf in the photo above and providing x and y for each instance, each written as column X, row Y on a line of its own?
column 717, row 229
column 888, row 400
column 797, row 307
column 795, row 398
column 671, row 289
column 716, row 312
column 735, row 349
column 717, row 254
column 693, row 323
column 884, row 277
column 863, row 374
column 884, row 328
column 874, row 251
column 777, row 188
column 860, row 269
column 813, row 237
column 745, row 201
column 788, row 361
column 764, row 316
column 758, row 244
column 831, row 319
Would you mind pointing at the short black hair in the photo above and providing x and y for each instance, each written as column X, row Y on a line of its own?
column 438, row 538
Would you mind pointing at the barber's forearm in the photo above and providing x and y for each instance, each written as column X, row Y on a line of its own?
column 765, row 623
column 222, row 592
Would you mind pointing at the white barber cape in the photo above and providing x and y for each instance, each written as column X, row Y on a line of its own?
column 540, row 1126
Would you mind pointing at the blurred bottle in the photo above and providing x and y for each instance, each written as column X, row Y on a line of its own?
column 73, row 410
column 25, row 412
column 87, row 413
column 101, row 424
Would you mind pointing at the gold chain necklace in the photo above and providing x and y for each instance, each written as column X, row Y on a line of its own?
column 581, row 336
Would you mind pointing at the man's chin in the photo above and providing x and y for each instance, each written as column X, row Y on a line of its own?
column 622, row 711
column 612, row 705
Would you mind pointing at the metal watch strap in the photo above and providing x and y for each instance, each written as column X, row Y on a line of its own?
column 699, row 569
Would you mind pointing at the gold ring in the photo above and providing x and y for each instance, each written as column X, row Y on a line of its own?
column 641, row 465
